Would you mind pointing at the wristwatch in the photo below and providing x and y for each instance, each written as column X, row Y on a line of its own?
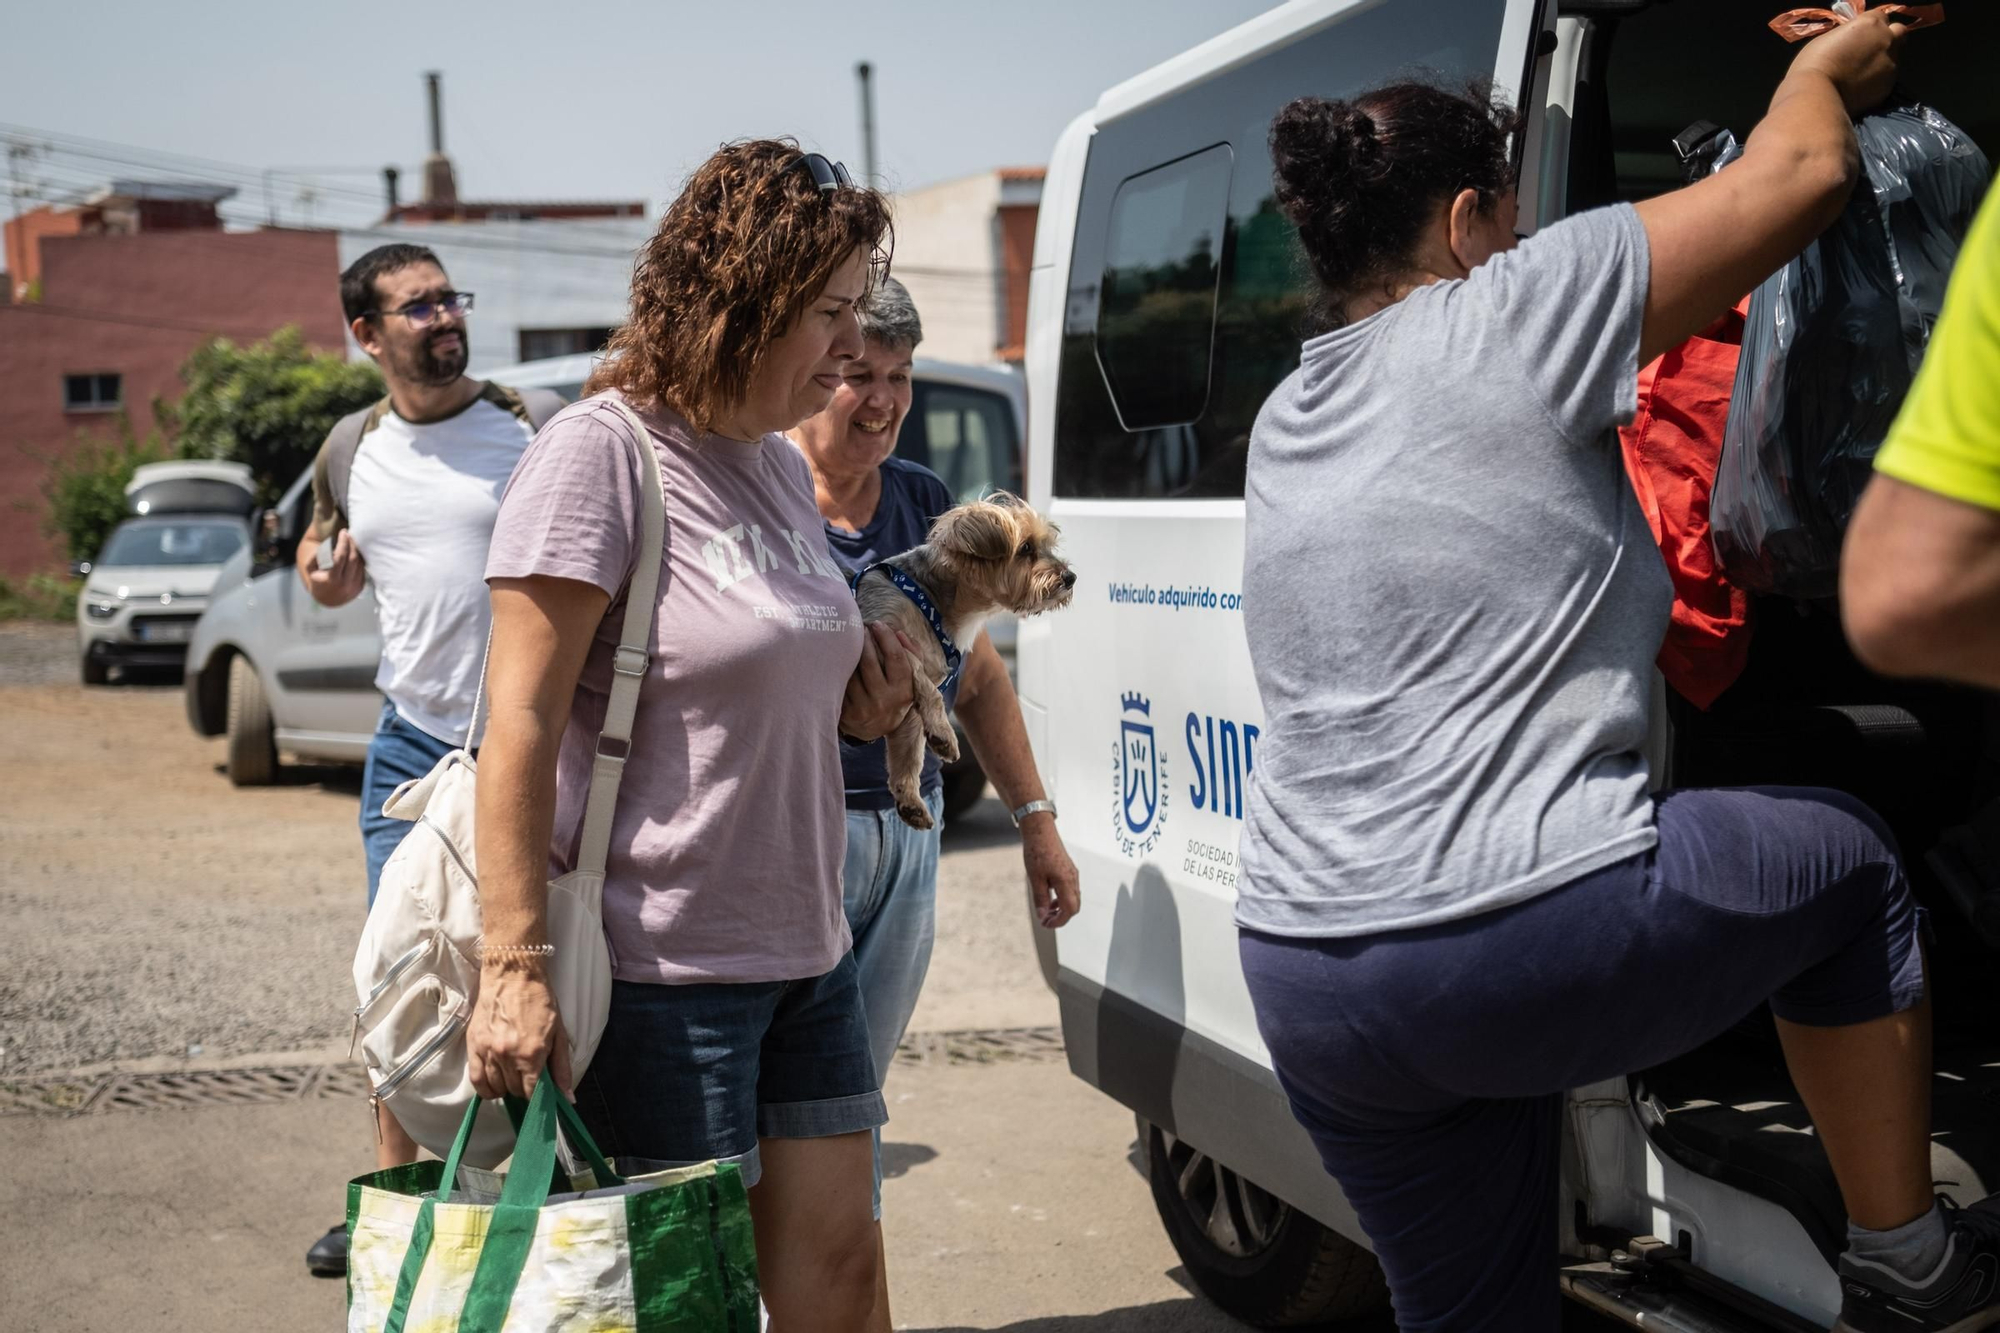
column 1032, row 807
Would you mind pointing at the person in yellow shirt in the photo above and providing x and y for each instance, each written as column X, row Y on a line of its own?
column 1920, row 573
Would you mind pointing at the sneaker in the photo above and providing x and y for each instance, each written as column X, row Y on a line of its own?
column 1962, row 1295
column 328, row 1256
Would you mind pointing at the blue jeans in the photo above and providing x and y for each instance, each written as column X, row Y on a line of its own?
column 699, row 1072
column 1429, row 1064
column 399, row 753
column 889, row 889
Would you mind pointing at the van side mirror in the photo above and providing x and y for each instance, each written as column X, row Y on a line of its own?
column 271, row 546
column 78, row 568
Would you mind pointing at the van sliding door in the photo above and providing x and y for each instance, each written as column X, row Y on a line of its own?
column 1162, row 319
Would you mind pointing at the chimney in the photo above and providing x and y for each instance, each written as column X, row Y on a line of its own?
column 440, row 186
column 389, row 178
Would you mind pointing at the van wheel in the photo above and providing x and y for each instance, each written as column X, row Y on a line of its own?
column 1253, row 1254
column 96, row 671
column 253, row 754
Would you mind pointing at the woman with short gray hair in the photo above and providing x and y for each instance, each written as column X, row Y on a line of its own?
column 876, row 505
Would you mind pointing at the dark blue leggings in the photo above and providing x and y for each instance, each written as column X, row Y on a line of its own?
column 1430, row 1065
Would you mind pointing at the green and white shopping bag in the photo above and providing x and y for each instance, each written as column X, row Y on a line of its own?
column 665, row 1253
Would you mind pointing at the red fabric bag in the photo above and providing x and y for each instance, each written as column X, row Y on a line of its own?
column 1671, row 450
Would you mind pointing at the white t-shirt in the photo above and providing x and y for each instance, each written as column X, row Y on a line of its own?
column 421, row 500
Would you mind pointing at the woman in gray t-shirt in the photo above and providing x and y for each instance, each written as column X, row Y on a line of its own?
column 1459, row 898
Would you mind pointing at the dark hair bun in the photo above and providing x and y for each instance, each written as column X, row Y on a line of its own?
column 1319, row 145
column 1360, row 179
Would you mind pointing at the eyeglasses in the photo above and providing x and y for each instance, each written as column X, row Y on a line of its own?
column 826, row 175
column 423, row 313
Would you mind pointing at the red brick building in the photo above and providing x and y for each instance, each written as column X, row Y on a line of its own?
column 146, row 276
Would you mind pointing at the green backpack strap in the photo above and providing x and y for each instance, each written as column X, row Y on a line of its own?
column 335, row 463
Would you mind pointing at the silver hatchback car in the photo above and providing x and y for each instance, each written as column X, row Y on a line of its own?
column 274, row 671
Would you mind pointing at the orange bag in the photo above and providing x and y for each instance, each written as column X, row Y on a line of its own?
column 1796, row 25
column 1671, row 449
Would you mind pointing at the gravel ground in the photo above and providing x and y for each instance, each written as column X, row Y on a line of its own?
column 158, row 917
column 37, row 653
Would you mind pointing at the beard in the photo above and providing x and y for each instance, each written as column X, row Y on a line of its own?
column 422, row 364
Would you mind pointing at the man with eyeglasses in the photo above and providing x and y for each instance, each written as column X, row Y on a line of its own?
column 404, row 497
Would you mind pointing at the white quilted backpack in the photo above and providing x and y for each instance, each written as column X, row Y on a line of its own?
column 416, row 972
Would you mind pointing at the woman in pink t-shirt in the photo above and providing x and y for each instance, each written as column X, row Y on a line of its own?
column 736, row 1029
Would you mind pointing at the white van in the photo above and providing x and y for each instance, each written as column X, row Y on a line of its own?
column 1167, row 300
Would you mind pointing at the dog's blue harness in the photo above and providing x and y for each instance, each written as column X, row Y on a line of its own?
column 910, row 588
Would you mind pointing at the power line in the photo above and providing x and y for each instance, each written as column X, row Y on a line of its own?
column 147, row 159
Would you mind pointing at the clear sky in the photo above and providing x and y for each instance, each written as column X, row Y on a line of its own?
column 547, row 101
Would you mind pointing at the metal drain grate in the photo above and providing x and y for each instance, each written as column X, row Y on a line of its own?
column 980, row 1046
column 60, row 1095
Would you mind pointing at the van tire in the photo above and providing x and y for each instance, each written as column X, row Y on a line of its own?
column 96, row 671
column 253, row 752
column 1297, row 1272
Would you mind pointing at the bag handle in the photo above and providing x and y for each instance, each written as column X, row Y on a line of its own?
column 510, row 1232
column 628, row 664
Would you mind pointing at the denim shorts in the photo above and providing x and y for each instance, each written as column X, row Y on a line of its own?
column 889, row 892
column 700, row 1072
column 400, row 752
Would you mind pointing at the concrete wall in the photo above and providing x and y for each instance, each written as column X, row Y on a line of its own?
column 539, row 274
column 136, row 306
column 948, row 255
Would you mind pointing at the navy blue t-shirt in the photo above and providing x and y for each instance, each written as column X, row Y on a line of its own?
column 912, row 498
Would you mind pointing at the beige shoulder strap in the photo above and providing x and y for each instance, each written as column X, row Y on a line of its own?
column 628, row 664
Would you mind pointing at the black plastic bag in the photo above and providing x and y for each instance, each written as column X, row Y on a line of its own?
column 1832, row 343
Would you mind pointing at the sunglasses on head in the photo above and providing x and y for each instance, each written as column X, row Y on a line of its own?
column 826, row 175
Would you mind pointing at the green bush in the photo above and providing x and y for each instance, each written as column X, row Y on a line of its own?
column 85, row 487
column 269, row 404
column 41, row 597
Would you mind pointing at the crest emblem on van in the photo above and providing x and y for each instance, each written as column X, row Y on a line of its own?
column 1139, row 779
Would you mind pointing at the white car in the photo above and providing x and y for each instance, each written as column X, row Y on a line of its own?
column 275, row 671
column 1167, row 299
column 149, row 585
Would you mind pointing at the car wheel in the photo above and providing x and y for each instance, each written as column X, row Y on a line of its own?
column 964, row 782
column 253, row 754
column 1260, row 1259
column 96, row 671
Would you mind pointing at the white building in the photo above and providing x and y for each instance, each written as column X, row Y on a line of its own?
column 963, row 248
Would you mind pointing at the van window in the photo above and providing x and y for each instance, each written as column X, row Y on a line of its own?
column 1188, row 297
column 967, row 436
column 1156, row 310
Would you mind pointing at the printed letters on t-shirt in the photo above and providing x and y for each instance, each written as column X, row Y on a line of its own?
column 730, row 563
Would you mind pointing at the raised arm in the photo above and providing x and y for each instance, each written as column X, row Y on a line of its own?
column 1720, row 237
column 542, row 631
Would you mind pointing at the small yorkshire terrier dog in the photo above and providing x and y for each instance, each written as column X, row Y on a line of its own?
column 989, row 555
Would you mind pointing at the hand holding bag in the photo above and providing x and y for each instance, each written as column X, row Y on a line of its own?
column 416, row 971
column 666, row 1253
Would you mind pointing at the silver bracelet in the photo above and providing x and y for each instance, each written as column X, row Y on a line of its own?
column 518, row 950
column 1033, row 807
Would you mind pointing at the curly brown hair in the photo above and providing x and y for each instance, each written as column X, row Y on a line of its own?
column 737, row 259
